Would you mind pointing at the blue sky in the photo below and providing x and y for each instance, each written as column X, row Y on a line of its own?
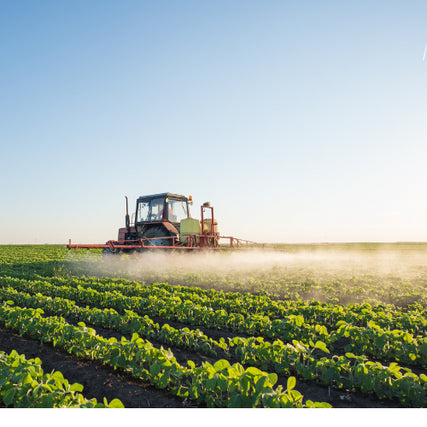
column 300, row 121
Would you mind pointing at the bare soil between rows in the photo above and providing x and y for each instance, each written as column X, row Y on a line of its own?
column 100, row 381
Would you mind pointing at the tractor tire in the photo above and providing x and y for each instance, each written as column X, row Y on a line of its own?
column 110, row 251
column 128, row 251
column 157, row 231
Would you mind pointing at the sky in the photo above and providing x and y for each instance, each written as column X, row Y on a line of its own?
column 299, row 121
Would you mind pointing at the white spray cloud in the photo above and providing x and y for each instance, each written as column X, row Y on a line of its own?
column 241, row 264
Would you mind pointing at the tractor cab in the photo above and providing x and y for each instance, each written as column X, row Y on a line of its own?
column 164, row 220
column 161, row 207
column 158, row 215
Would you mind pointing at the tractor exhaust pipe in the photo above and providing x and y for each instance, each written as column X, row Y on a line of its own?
column 127, row 220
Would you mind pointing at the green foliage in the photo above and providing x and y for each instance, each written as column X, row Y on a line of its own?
column 23, row 384
column 216, row 385
column 367, row 346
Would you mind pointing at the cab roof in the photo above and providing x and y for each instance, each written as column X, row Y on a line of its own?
column 163, row 195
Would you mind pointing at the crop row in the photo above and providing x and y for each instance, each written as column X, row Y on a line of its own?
column 218, row 385
column 283, row 281
column 348, row 371
column 129, row 322
column 173, row 308
column 46, row 260
column 341, row 371
column 23, row 384
column 386, row 316
column 372, row 341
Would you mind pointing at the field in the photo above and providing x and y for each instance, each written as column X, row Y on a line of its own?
column 340, row 326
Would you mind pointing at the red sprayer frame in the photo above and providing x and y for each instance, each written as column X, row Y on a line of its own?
column 194, row 242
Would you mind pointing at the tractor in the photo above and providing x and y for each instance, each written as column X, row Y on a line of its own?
column 163, row 221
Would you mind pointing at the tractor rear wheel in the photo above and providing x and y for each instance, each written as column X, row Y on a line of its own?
column 157, row 231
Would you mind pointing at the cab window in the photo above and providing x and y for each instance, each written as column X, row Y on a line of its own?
column 177, row 210
column 150, row 210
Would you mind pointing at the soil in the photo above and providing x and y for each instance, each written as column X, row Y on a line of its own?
column 100, row 381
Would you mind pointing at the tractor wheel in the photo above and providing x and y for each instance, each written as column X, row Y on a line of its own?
column 157, row 231
column 110, row 251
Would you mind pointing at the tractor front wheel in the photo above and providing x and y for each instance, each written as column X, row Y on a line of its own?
column 110, row 251
column 157, row 236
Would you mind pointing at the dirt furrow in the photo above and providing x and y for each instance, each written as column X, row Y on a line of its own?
column 99, row 381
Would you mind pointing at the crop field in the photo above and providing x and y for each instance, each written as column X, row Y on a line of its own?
column 341, row 326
